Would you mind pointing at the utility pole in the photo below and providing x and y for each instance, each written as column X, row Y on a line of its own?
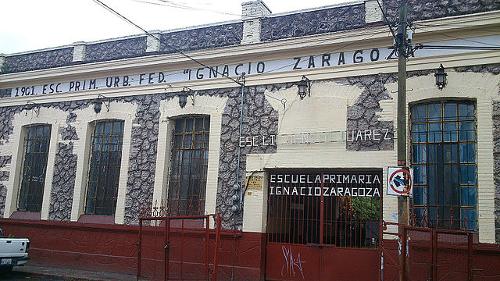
column 401, row 119
column 403, row 217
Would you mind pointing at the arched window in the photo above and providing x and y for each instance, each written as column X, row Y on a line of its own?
column 36, row 151
column 443, row 155
column 104, row 167
column 188, row 174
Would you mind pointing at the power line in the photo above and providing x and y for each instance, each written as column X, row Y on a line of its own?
column 457, row 47
column 469, row 40
column 168, row 45
column 172, row 4
column 386, row 21
column 443, row 25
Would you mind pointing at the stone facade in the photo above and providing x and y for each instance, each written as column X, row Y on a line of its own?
column 201, row 38
column 63, row 183
column 4, row 175
column 111, row 50
column 495, row 70
column 141, row 173
column 429, row 9
column 5, row 160
column 259, row 118
column 363, row 114
column 38, row 60
column 3, row 195
column 69, row 132
column 299, row 24
column 314, row 22
column 496, row 157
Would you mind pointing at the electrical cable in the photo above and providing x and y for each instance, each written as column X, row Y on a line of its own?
column 195, row 60
column 386, row 21
column 183, row 7
column 469, row 40
column 168, row 45
column 421, row 24
column 457, row 47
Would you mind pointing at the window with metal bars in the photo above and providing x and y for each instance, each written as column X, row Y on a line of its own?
column 104, row 167
column 36, row 151
column 188, row 173
column 443, row 156
column 337, row 207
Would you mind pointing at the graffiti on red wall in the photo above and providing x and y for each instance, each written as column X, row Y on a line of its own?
column 292, row 264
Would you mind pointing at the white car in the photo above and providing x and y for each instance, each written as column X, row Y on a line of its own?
column 13, row 251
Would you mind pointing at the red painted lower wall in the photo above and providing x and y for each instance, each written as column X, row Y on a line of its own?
column 242, row 256
column 114, row 248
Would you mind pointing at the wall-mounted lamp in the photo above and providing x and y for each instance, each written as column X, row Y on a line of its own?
column 440, row 77
column 304, row 86
column 183, row 95
column 33, row 107
column 99, row 101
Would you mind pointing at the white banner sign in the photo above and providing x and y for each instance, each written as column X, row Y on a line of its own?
column 251, row 68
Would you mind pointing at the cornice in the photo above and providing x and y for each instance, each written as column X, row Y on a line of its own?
column 477, row 58
column 374, row 36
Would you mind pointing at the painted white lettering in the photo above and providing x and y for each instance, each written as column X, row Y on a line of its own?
column 317, row 191
column 273, row 178
column 386, row 135
column 286, row 190
column 340, row 191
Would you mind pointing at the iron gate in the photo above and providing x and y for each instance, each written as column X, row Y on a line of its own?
column 323, row 224
column 427, row 254
column 439, row 255
column 178, row 247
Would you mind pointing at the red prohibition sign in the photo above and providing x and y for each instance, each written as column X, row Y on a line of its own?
column 406, row 175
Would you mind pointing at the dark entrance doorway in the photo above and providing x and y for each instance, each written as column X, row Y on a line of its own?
column 323, row 224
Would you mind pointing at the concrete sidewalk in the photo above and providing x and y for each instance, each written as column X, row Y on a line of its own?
column 74, row 274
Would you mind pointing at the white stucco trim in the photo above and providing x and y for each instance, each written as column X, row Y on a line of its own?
column 53, row 117
column 84, row 127
column 170, row 109
column 482, row 87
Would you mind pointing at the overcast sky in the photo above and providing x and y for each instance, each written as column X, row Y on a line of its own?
column 35, row 24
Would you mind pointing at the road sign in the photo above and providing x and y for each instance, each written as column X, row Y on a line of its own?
column 399, row 181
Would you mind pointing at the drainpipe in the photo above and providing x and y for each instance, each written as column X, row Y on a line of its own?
column 238, row 178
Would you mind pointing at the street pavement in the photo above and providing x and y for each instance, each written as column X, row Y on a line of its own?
column 43, row 273
column 23, row 276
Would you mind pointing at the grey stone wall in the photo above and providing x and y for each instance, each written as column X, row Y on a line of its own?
column 63, row 183
column 429, row 9
column 363, row 114
column 260, row 119
column 65, row 164
column 273, row 28
column 38, row 60
column 111, row 50
column 6, row 129
column 69, row 132
column 496, row 159
column 142, row 160
column 314, row 22
column 201, row 38
column 488, row 68
column 3, row 195
column 495, row 70
column 4, row 93
column 4, row 175
column 5, row 160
